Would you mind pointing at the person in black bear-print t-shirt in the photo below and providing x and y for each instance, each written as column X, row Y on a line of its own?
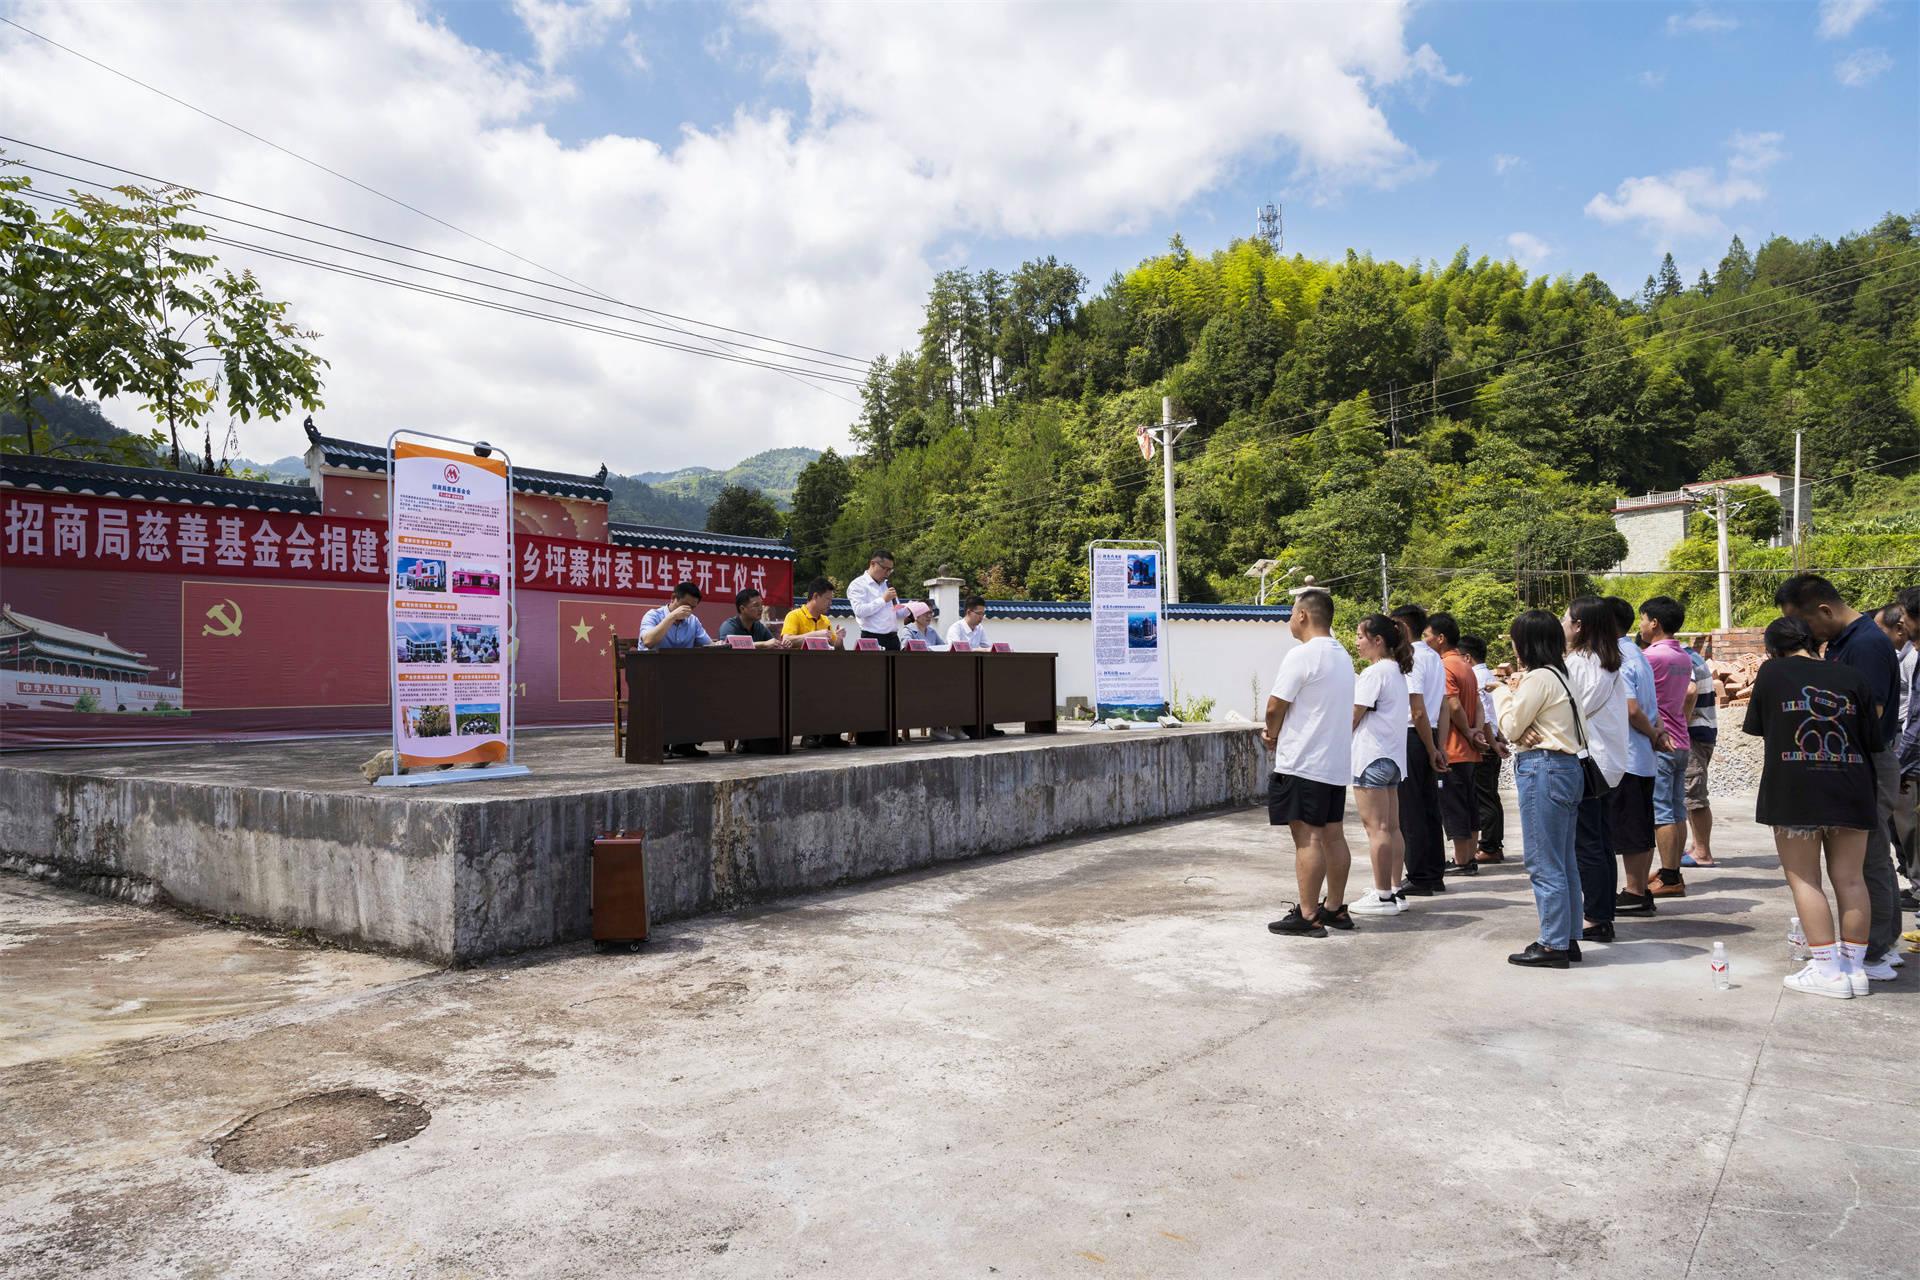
column 1817, row 792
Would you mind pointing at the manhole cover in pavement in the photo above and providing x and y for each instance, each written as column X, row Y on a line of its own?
column 318, row 1129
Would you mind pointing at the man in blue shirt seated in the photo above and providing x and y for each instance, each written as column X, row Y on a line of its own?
column 673, row 626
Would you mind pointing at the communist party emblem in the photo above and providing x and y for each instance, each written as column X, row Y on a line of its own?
column 223, row 620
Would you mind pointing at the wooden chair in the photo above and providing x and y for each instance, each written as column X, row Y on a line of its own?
column 621, row 648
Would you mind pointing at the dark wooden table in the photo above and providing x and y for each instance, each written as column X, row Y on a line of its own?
column 699, row 695
column 708, row 695
column 1018, row 686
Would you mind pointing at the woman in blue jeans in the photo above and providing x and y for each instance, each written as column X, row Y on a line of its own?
column 1538, row 715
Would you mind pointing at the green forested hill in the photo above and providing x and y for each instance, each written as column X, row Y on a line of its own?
column 773, row 472
column 1471, row 423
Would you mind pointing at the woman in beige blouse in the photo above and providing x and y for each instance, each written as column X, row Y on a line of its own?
column 1537, row 714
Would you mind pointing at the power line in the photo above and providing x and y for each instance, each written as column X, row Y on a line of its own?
column 288, row 151
column 447, row 275
column 854, row 361
column 491, row 304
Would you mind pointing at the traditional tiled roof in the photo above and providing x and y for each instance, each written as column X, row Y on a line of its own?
column 351, row 455
column 53, row 640
column 725, row 544
column 153, row 484
column 1081, row 610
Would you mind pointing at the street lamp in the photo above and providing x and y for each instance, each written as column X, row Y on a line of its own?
column 1261, row 568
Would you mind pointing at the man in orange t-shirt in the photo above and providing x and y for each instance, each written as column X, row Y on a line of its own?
column 1465, row 730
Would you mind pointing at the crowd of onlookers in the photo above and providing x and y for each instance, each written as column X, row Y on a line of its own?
column 1611, row 722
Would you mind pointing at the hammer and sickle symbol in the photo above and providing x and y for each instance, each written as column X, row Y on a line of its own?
column 226, row 615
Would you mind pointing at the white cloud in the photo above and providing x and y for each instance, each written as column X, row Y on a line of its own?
column 1529, row 250
column 820, row 228
column 1502, row 162
column 1862, row 67
column 1754, row 152
column 635, row 51
column 1838, row 18
column 1700, row 21
column 1653, row 79
column 1687, row 202
column 559, row 27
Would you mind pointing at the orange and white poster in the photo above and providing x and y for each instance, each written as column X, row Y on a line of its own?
column 448, row 613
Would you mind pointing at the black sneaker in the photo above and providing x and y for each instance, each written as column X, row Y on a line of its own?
column 1602, row 932
column 1462, row 869
column 1296, row 925
column 1336, row 919
column 1633, row 904
column 1418, row 891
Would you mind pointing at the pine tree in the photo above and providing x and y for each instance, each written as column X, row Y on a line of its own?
column 1736, row 269
column 1669, row 278
column 1647, row 294
column 1703, row 286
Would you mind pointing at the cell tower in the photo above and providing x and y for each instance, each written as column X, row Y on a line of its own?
column 1268, row 225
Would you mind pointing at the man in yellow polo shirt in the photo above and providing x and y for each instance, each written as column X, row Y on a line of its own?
column 811, row 617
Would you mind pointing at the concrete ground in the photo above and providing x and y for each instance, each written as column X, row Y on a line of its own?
column 1090, row 1059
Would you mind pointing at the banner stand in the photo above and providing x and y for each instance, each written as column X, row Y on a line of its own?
column 1126, row 589
column 452, row 597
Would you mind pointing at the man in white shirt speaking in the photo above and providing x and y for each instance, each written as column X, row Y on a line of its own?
column 1309, row 729
column 876, row 606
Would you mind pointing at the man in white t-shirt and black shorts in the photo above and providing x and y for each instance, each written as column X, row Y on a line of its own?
column 1309, row 729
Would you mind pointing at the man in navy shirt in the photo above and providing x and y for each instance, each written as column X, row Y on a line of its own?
column 1856, row 639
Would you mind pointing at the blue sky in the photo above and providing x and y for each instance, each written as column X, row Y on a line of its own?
column 1559, row 102
column 802, row 170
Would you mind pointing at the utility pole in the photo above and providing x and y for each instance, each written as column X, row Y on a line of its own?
column 1796, row 499
column 1165, row 435
column 1383, row 582
column 1721, row 510
column 1726, row 579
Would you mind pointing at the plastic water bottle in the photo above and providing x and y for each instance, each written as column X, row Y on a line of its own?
column 1797, row 941
column 1722, row 978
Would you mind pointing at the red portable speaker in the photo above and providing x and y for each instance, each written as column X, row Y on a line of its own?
column 617, row 893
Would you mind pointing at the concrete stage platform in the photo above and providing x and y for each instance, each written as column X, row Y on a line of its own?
column 288, row 834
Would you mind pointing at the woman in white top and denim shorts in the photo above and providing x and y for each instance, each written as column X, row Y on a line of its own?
column 1380, row 755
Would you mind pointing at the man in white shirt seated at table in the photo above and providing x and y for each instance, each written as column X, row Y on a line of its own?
column 970, row 627
column 876, row 605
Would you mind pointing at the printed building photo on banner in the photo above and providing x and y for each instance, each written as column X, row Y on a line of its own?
column 475, row 580
column 415, row 573
column 48, row 667
column 419, row 642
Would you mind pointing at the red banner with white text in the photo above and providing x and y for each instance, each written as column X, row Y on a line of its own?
column 124, row 622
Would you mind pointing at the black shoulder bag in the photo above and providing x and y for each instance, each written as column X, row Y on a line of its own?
column 1593, row 783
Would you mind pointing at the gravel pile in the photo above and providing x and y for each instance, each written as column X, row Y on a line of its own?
column 1736, row 763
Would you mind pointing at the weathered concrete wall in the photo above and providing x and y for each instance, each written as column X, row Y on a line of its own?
column 449, row 876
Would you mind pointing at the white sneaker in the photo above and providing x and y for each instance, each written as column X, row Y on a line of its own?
column 1375, row 903
column 1894, row 958
column 1878, row 971
column 1814, row 981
